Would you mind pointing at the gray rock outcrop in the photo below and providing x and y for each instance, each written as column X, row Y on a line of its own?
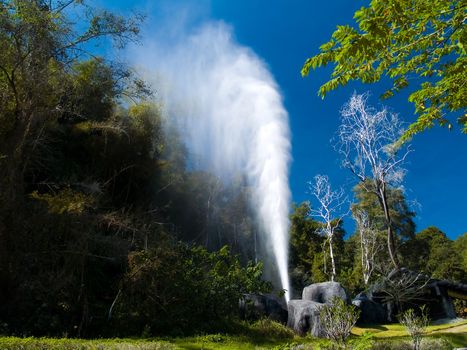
column 303, row 317
column 324, row 292
column 370, row 311
column 256, row 306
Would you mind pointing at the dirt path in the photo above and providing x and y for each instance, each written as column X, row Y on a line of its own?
column 456, row 329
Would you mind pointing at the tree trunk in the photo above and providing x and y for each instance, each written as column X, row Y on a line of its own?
column 333, row 265
column 390, row 234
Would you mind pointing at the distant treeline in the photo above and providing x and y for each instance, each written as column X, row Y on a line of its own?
column 429, row 251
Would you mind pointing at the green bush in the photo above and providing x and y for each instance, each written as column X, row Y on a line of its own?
column 415, row 324
column 179, row 290
column 338, row 319
column 270, row 329
column 392, row 345
column 363, row 342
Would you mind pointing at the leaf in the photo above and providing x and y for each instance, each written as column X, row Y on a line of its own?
column 421, row 40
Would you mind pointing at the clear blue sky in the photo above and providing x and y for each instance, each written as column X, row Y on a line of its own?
column 284, row 34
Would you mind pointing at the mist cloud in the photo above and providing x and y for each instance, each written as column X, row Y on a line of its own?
column 230, row 113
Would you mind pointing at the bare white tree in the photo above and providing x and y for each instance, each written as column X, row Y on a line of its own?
column 330, row 204
column 368, row 140
column 369, row 243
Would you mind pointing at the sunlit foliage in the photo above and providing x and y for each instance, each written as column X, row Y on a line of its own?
column 419, row 43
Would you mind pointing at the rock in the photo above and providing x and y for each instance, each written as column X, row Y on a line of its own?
column 370, row 311
column 323, row 292
column 256, row 306
column 304, row 317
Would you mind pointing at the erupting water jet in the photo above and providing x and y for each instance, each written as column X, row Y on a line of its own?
column 230, row 111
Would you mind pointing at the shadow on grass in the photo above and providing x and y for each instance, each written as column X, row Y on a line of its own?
column 373, row 326
column 241, row 335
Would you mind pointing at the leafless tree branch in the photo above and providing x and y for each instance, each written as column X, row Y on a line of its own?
column 330, row 205
column 368, row 141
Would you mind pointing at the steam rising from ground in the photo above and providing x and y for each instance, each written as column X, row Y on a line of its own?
column 230, row 112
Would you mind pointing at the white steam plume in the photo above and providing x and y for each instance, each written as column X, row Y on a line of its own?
column 232, row 117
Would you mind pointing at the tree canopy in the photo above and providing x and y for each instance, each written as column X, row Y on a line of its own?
column 401, row 215
column 96, row 195
column 419, row 43
column 432, row 252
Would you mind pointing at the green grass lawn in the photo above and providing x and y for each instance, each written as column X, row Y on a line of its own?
column 259, row 336
column 200, row 342
column 221, row 342
column 398, row 330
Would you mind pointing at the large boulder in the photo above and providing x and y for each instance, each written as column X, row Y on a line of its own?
column 303, row 317
column 370, row 311
column 324, row 292
column 256, row 306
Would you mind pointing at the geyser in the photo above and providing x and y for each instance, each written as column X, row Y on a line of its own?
column 230, row 111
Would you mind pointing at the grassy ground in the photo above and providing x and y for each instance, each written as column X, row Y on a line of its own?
column 211, row 342
column 398, row 330
column 263, row 335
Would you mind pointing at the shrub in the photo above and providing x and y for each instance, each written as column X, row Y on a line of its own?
column 270, row 329
column 435, row 344
column 338, row 319
column 426, row 344
column 392, row 345
column 363, row 342
column 415, row 324
column 180, row 290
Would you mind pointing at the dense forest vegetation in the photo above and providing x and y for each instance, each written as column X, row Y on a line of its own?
column 105, row 229
column 429, row 251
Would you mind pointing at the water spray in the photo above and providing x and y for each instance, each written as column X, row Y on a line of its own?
column 230, row 112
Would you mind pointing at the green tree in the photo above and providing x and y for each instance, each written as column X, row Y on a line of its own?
column 432, row 252
column 367, row 140
column 38, row 47
column 177, row 289
column 305, row 245
column 89, row 207
column 401, row 216
column 54, row 249
column 321, row 269
column 309, row 258
column 420, row 41
column 460, row 246
column 213, row 214
column 351, row 275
